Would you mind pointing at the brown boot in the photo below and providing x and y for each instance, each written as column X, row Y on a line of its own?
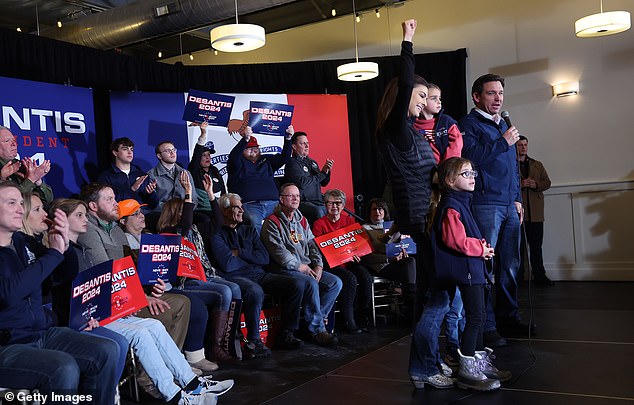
column 221, row 330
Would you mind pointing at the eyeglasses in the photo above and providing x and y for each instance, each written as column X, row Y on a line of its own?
column 136, row 214
column 469, row 174
column 291, row 196
column 334, row 203
column 169, row 150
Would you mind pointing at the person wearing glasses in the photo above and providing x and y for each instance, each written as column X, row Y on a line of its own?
column 460, row 252
column 166, row 174
column 489, row 142
column 357, row 281
column 293, row 251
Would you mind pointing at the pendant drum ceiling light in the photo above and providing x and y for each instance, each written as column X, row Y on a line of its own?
column 357, row 71
column 237, row 37
column 608, row 23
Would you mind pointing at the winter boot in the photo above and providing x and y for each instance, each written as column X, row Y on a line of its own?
column 485, row 358
column 471, row 377
column 220, row 333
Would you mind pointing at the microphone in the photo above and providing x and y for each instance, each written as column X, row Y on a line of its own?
column 506, row 117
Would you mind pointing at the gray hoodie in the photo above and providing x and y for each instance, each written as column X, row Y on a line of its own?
column 290, row 242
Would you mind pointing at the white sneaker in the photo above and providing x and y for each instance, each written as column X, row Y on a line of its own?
column 216, row 387
column 437, row 381
column 188, row 398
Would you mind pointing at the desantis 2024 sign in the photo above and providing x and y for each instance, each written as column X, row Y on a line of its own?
column 342, row 245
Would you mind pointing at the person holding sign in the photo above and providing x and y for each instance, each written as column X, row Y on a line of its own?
column 33, row 353
column 357, row 281
column 251, row 175
column 401, row 268
column 305, row 173
column 200, row 165
column 222, row 298
column 290, row 242
column 148, row 338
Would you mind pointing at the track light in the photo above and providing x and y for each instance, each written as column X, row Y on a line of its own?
column 215, row 52
column 59, row 23
column 378, row 15
column 160, row 54
column 19, row 29
column 358, row 17
column 191, row 56
column 333, row 12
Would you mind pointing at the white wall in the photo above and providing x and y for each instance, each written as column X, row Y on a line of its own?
column 581, row 140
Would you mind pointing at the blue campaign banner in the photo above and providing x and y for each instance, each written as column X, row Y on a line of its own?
column 147, row 119
column 158, row 257
column 56, row 123
column 211, row 107
column 393, row 249
column 267, row 118
column 91, row 295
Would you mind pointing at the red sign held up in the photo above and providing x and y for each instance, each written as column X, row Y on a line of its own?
column 342, row 245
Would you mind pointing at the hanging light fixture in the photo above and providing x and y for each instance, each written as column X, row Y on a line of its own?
column 237, row 37
column 357, row 71
column 608, row 23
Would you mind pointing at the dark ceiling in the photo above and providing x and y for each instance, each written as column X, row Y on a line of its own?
column 123, row 24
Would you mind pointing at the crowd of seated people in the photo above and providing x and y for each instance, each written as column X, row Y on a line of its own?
column 188, row 328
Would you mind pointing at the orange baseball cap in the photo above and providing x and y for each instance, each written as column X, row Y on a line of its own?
column 128, row 207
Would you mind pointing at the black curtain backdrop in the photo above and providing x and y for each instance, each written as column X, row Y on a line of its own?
column 29, row 57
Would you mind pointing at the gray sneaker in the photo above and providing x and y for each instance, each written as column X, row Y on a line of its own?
column 486, row 365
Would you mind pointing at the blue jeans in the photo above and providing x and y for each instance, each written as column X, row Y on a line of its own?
column 157, row 352
column 454, row 323
column 120, row 340
column 63, row 361
column 257, row 211
column 500, row 226
column 319, row 297
column 423, row 355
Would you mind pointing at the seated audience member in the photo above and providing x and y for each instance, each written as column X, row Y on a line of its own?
column 306, row 175
column 132, row 221
column 27, row 174
column 251, row 175
column 401, row 268
column 222, row 298
column 33, row 353
column 200, row 165
column 241, row 258
column 357, row 281
column 165, row 174
column 105, row 240
column 158, row 354
column 290, row 242
column 126, row 179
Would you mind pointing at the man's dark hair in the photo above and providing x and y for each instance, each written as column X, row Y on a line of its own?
column 114, row 146
column 479, row 82
column 522, row 138
column 90, row 192
column 297, row 135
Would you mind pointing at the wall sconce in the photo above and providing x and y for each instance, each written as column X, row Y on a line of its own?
column 566, row 89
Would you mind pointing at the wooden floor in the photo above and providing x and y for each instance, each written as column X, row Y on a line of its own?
column 582, row 354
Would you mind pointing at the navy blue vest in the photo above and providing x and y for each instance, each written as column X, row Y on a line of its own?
column 452, row 267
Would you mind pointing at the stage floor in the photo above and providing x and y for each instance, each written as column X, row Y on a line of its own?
column 581, row 354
